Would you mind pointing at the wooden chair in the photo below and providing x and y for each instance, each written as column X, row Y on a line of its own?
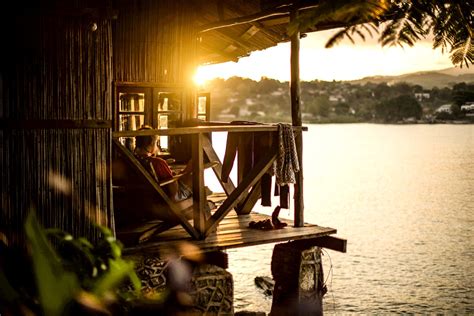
column 141, row 203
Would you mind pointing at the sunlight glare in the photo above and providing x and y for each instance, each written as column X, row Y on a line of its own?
column 202, row 75
column 342, row 62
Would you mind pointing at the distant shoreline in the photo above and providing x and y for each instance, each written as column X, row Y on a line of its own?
column 395, row 123
column 349, row 121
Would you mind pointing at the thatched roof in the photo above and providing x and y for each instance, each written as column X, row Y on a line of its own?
column 233, row 29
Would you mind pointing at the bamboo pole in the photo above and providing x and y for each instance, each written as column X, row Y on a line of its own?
column 296, row 120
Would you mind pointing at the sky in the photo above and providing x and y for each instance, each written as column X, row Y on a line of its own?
column 345, row 61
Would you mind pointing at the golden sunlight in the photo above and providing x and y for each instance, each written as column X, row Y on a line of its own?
column 202, row 75
column 342, row 62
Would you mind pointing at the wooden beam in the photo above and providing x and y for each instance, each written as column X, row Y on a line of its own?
column 296, row 120
column 233, row 40
column 209, row 151
column 265, row 14
column 222, row 53
column 329, row 242
column 251, row 31
column 204, row 129
column 276, row 37
column 251, row 199
column 276, row 16
column 199, row 197
column 174, row 87
column 253, row 177
column 230, row 48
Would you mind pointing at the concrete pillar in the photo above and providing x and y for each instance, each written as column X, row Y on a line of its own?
column 299, row 281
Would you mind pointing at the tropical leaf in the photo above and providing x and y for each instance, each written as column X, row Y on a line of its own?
column 56, row 287
column 118, row 271
column 462, row 53
column 336, row 38
column 344, row 12
column 403, row 22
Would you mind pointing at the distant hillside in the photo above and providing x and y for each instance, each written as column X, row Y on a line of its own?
column 427, row 79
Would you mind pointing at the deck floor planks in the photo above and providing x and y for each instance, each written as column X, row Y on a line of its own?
column 233, row 232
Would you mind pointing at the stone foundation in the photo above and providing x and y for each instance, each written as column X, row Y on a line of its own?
column 299, row 283
column 211, row 288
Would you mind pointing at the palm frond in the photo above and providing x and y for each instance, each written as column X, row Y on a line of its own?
column 463, row 53
column 404, row 22
column 336, row 38
column 369, row 27
column 349, row 12
column 452, row 28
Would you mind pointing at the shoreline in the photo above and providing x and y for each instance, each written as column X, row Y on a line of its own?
column 395, row 123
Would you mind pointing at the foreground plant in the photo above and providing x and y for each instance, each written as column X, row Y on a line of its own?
column 78, row 276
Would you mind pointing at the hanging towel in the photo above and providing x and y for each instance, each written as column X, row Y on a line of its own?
column 286, row 164
column 234, row 141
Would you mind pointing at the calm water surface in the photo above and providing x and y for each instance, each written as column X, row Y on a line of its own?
column 403, row 197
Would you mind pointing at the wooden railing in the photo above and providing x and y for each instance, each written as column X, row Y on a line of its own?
column 238, row 197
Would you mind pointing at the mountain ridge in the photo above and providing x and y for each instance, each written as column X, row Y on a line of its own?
column 427, row 79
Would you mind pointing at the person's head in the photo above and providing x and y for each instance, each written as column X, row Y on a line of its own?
column 148, row 142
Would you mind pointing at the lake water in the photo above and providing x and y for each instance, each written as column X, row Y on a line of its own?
column 403, row 197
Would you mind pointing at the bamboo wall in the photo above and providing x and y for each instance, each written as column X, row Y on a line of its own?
column 155, row 43
column 55, row 140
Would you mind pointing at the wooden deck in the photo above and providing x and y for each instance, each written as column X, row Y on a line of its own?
column 232, row 232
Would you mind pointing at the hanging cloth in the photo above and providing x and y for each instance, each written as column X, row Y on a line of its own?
column 286, row 163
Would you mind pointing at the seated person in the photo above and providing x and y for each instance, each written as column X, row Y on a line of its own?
column 146, row 149
column 140, row 204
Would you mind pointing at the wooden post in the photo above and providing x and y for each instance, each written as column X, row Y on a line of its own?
column 199, row 197
column 296, row 120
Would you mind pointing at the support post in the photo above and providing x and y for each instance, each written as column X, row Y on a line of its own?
column 299, row 281
column 296, row 120
column 199, row 197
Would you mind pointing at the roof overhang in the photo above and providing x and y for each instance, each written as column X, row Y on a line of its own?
column 229, row 30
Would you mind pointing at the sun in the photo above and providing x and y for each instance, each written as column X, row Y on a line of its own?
column 200, row 76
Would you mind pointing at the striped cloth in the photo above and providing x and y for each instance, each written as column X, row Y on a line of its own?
column 286, row 164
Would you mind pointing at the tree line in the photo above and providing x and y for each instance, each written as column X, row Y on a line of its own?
column 334, row 101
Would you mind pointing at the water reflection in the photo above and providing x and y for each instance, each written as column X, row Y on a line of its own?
column 403, row 197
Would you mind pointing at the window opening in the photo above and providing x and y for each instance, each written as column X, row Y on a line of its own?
column 131, row 115
column 168, row 114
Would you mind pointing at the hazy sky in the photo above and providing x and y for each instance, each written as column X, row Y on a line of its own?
column 345, row 61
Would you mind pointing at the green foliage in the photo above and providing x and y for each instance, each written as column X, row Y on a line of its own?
column 353, row 12
column 56, row 286
column 403, row 22
column 76, row 273
column 99, row 267
column 463, row 93
column 398, row 108
column 341, row 108
column 232, row 97
column 318, row 106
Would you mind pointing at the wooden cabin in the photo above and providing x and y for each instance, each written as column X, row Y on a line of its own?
column 79, row 77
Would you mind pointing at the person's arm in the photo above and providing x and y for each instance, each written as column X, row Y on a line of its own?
column 188, row 168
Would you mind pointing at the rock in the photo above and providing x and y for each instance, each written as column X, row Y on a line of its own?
column 266, row 284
